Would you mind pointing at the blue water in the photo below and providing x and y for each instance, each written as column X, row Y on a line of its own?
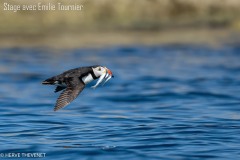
column 165, row 102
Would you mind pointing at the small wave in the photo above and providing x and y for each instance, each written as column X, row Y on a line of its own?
column 209, row 94
column 20, row 77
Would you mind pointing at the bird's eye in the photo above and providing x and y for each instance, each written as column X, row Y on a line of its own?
column 99, row 69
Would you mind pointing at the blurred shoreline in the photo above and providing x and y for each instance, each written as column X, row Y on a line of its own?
column 124, row 22
column 208, row 37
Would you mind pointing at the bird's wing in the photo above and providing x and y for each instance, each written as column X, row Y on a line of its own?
column 59, row 88
column 74, row 87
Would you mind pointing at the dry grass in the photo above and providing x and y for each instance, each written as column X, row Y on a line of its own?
column 119, row 16
column 122, row 15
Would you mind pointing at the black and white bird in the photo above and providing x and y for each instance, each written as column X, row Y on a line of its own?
column 73, row 81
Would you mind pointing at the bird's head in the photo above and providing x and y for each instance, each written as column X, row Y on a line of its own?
column 100, row 70
column 103, row 74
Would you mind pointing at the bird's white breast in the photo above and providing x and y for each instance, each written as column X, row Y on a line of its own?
column 87, row 79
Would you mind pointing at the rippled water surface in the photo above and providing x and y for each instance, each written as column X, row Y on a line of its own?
column 165, row 102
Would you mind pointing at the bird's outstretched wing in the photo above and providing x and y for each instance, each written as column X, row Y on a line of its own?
column 74, row 87
column 59, row 88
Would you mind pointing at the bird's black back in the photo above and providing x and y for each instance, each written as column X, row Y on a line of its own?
column 76, row 72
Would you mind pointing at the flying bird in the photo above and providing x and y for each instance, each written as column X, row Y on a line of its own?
column 73, row 81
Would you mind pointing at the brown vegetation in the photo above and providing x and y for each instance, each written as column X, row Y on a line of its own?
column 121, row 16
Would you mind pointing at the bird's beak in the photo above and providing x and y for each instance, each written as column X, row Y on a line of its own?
column 109, row 72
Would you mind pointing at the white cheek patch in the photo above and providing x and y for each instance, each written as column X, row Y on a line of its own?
column 99, row 80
